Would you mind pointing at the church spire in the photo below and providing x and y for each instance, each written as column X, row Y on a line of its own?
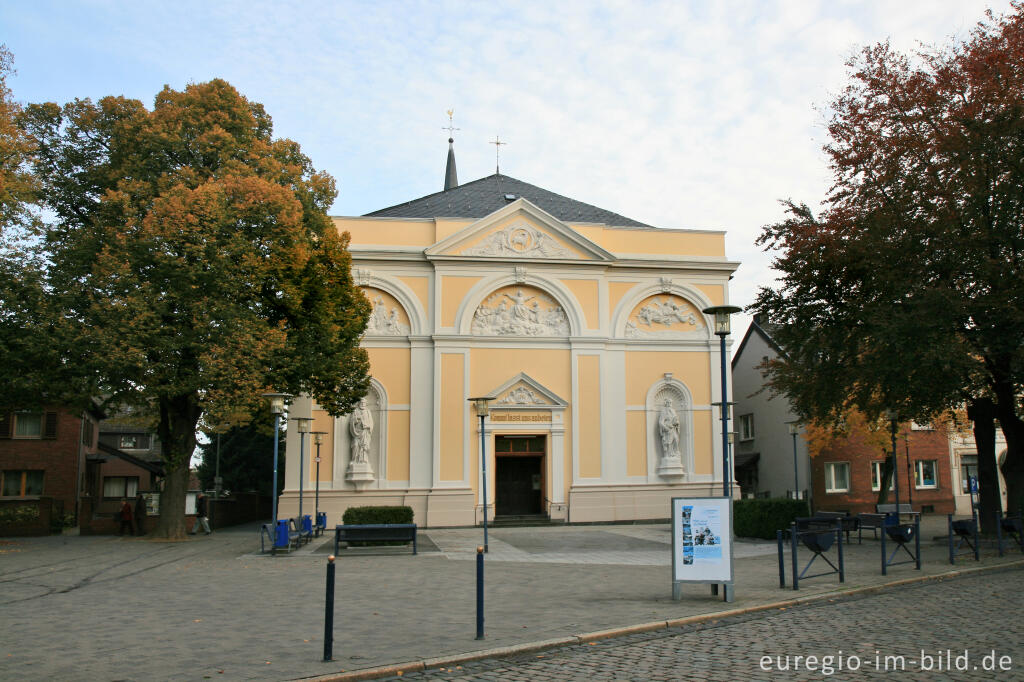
column 451, row 178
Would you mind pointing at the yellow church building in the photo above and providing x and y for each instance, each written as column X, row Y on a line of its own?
column 583, row 326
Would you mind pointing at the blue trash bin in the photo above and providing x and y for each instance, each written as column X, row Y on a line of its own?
column 321, row 519
column 281, row 534
column 307, row 524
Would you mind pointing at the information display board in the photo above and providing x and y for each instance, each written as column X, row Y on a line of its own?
column 702, row 540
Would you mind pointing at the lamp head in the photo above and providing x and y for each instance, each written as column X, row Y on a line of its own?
column 721, row 314
column 303, row 423
column 277, row 401
column 482, row 404
column 318, row 437
column 794, row 428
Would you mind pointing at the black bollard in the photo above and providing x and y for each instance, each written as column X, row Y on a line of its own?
column 329, row 611
column 479, row 592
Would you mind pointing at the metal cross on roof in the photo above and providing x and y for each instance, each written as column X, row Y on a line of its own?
column 451, row 125
column 497, row 153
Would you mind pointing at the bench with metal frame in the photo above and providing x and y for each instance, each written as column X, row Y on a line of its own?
column 902, row 534
column 817, row 534
column 304, row 531
column 1012, row 526
column 289, row 538
column 874, row 522
column 966, row 533
column 848, row 522
column 375, row 532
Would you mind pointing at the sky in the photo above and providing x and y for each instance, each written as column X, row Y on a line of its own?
column 679, row 114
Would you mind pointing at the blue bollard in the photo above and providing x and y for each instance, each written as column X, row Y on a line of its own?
column 479, row 592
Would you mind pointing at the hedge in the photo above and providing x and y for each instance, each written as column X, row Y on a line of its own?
column 759, row 518
column 367, row 515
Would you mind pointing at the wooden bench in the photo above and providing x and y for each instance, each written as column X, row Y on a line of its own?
column 847, row 523
column 375, row 532
column 873, row 521
column 905, row 510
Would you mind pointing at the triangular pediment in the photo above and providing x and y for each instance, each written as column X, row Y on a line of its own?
column 519, row 231
column 524, row 392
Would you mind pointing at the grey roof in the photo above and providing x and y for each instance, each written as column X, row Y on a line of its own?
column 482, row 197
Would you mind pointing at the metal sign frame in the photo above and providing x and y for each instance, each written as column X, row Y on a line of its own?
column 714, row 573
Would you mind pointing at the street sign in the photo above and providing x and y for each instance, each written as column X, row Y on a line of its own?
column 972, row 483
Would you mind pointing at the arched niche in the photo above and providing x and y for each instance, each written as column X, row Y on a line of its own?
column 662, row 465
column 398, row 295
column 374, row 473
column 388, row 316
column 557, row 313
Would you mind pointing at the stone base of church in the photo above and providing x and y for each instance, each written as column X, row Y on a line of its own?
column 596, row 503
column 445, row 508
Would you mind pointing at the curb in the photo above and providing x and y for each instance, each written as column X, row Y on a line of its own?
column 572, row 640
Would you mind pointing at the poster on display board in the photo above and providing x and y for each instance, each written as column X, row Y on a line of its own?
column 702, row 540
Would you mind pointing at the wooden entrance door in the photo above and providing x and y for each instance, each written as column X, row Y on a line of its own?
column 519, row 475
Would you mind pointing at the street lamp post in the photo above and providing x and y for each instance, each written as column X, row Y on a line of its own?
column 277, row 401
column 794, row 428
column 482, row 405
column 303, row 424
column 722, row 313
column 910, row 473
column 318, row 438
column 894, row 417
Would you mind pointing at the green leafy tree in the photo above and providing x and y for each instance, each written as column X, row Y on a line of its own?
column 245, row 460
column 907, row 291
column 191, row 265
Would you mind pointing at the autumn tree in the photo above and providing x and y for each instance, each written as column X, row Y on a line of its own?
column 907, row 290
column 191, row 265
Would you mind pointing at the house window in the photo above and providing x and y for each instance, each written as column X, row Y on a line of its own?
column 876, row 476
column 116, row 487
column 837, row 477
column 968, row 468
column 746, row 427
column 926, row 474
column 20, row 483
column 133, row 441
column 28, row 425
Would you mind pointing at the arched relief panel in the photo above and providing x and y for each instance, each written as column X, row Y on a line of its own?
column 393, row 294
column 661, row 311
column 669, row 409
column 520, row 305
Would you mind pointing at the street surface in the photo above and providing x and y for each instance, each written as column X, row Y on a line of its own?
column 966, row 628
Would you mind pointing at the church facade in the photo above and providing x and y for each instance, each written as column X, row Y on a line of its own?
column 584, row 328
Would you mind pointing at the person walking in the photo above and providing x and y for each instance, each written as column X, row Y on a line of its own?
column 125, row 514
column 140, row 514
column 201, row 516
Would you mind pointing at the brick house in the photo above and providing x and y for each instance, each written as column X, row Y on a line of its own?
column 43, row 455
column 847, row 475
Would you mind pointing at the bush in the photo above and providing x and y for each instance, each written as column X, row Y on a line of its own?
column 761, row 518
column 366, row 515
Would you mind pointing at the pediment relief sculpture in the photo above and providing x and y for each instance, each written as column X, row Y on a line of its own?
column 663, row 316
column 522, row 395
column 519, row 311
column 520, row 240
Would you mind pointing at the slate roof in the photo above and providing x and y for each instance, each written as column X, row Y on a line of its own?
column 482, row 197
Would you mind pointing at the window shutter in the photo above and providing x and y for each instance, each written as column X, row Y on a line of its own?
column 50, row 427
column 5, row 425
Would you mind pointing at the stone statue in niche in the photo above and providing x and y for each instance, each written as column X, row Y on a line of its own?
column 360, row 428
column 668, row 429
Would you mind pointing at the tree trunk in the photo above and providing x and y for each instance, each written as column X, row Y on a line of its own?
column 1013, row 465
column 177, row 430
column 982, row 413
column 888, row 467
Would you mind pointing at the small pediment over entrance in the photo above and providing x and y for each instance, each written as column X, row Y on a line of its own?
column 523, row 392
column 520, row 231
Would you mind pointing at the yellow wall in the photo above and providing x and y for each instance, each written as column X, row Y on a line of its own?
column 702, row 435
column 664, row 242
column 421, row 287
column 453, row 291
column 636, row 443
column 586, row 293
column 616, row 290
column 446, row 228
column 387, row 232
column 644, row 369
column 390, row 366
column 453, row 408
column 398, row 445
column 714, row 293
column 589, row 377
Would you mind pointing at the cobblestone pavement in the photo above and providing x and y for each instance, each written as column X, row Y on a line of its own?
column 964, row 628
column 210, row 607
